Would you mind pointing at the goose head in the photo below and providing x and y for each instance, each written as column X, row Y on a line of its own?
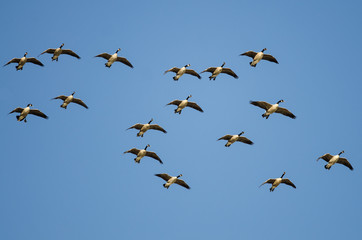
column 61, row 45
column 150, row 121
column 25, row 54
column 223, row 64
column 188, row 65
column 341, row 152
column 148, row 145
column 282, row 175
column 188, row 97
column 241, row 133
column 280, row 101
column 264, row 49
column 118, row 50
column 29, row 105
column 179, row 176
column 73, row 93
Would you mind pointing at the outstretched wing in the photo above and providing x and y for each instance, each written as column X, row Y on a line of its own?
column 210, row 69
column 326, row 157
column 80, row 102
column 244, row 140
column 226, row 137
column 174, row 102
column 157, row 127
column 124, row 61
column 182, row 183
column 229, row 72
column 175, row 70
column 14, row 60
column 137, row 126
column 70, row 52
column 288, row 182
column 133, row 150
column 261, row 104
column 19, row 110
column 104, row 55
column 192, row 72
column 154, row 156
column 345, row 163
column 285, row 112
column 34, row 61
column 50, row 50
column 270, row 58
column 164, row 176
column 194, row 106
column 36, row 112
column 61, row 97
column 270, row 180
column 249, row 54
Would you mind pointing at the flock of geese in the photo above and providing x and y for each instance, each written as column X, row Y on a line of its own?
column 181, row 104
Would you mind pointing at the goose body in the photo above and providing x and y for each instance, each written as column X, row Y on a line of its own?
column 181, row 71
column 58, row 51
column 69, row 99
column 144, row 127
column 276, row 181
column 21, row 62
column 233, row 138
column 257, row 57
column 171, row 180
column 215, row 71
column 331, row 160
column 272, row 108
column 114, row 58
column 185, row 103
column 142, row 153
column 25, row 111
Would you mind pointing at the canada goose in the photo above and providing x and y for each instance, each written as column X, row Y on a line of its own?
column 276, row 181
column 69, row 99
column 257, row 57
column 184, row 103
column 215, row 71
column 21, row 61
column 114, row 58
column 269, row 109
column 57, row 51
column 170, row 180
column 144, row 127
column 233, row 138
column 25, row 111
column 141, row 153
column 180, row 71
column 335, row 159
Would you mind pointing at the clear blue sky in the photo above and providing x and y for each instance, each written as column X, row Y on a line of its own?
column 67, row 177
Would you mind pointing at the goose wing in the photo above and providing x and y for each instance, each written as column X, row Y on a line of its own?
column 244, row 140
column 285, row 112
column 270, row 180
column 80, row 102
column 34, row 61
column 288, row 182
column 249, row 54
column 182, row 183
column 261, row 104
column 157, row 127
column 226, row 137
column 345, row 163
column 154, row 156
column 70, row 52
column 50, row 50
column 210, row 69
column 174, row 102
column 124, row 61
column 270, row 58
column 326, row 157
column 192, row 72
column 175, row 70
column 194, row 106
column 164, row 176
column 61, row 97
column 133, row 150
column 14, row 60
column 37, row 112
column 19, row 110
column 229, row 72
column 104, row 55
column 137, row 126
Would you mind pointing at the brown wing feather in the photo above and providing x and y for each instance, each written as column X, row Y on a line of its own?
column 249, row 54
column 261, row 104
column 210, row 69
column 62, row 97
column 174, row 102
column 244, row 140
column 104, row 55
column 175, row 70
column 80, row 102
column 270, row 180
column 70, row 52
column 270, row 58
column 226, row 137
column 154, row 156
column 137, row 126
column 345, row 162
column 194, row 106
column 14, row 60
column 229, row 72
column 326, row 157
column 285, row 112
column 36, row 112
column 34, row 61
column 164, row 176
column 192, row 72
column 50, row 50
column 133, row 150
column 288, row 182
column 157, row 127
column 182, row 183
column 19, row 110
column 124, row 61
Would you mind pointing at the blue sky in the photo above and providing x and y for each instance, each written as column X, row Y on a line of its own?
column 67, row 177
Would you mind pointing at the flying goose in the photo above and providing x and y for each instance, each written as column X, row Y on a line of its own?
column 335, row 159
column 114, row 58
column 25, row 111
column 141, row 153
column 170, row 180
column 276, row 181
column 69, row 99
column 144, row 127
column 21, row 61
column 57, row 51
column 269, row 109
column 233, row 138
column 180, row 71
column 184, row 103
column 215, row 71
column 257, row 57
